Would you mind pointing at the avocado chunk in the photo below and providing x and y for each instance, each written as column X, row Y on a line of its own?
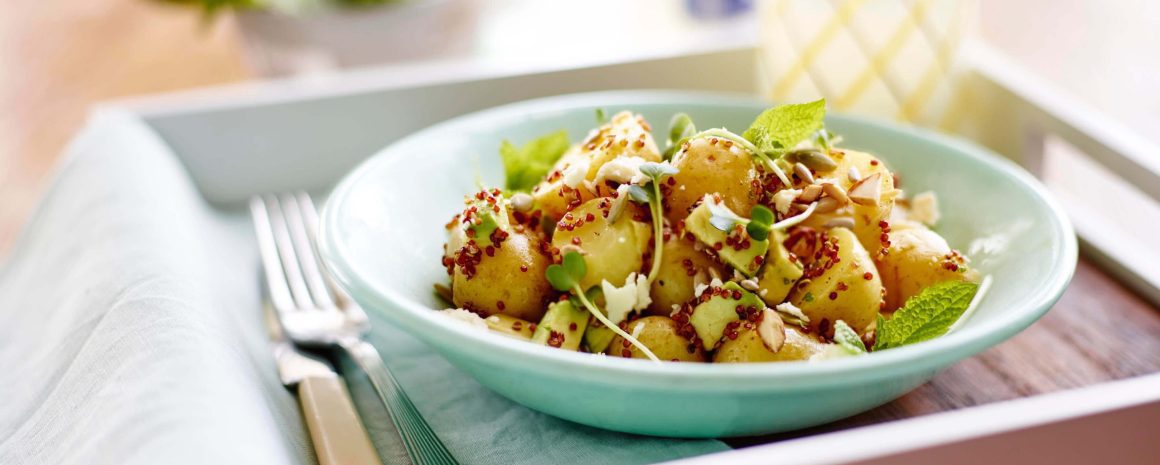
column 597, row 337
column 563, row 326
column 722, row 311
column 736, row 248
column 485, row 212
column 510, row 326
column 780, row 273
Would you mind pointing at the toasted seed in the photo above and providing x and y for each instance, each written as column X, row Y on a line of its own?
column 771, row 330
column 836, row 192
column 810, row 193
column 853, row 174
column 714, row 274
column 521, row 202
column 803, row 173
column 868, row 191
column 840, row 222
column 826, row 205
column 813, row 159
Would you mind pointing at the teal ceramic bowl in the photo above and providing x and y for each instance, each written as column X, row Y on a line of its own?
column 382, row 236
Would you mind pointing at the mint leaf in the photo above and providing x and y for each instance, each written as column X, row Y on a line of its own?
column 524, row 166
column 784, row 126
column 925, row 316
column 848, row 339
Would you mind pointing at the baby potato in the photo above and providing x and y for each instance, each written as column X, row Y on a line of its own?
column 659, row 334
column 551, row 195
column 611, row 250
column 866, row 217
column 510, row 282
column 748, row 347
column 674, row 283
column 711, row 165
column 917, row 258
column 848, row 289
column 625, row 135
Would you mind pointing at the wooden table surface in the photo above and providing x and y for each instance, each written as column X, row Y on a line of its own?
column 58, row 57
column 1098, row 331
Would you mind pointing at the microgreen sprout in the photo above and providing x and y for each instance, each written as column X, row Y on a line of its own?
column 760, row 222
column 601, row 116
column 566, row 277
column 650, row 193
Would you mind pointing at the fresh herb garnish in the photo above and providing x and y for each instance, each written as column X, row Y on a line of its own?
column 925, row 316
column 650, row 193
column 601, row 117
column 782, row 127
column 760, row 222
column 848, row 339
column 681, row 128
column 566, row 277
column 525, row 166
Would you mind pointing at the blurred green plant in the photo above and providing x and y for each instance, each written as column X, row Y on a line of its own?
column 292, row 7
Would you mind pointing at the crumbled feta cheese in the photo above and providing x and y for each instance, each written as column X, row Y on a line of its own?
column 623, row 169
column 699, row 288
column 465, row 317
column 619, row 301
column 924, row 208
column 784, row 198
column 574, row 174
column 792, row 310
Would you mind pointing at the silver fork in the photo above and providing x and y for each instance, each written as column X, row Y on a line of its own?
column 314, row 312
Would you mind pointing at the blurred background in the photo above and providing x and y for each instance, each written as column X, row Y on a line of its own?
column 879, row 56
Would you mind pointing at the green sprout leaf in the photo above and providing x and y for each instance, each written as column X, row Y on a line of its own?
column 601, row 116
column 721, row 217
column 784, row 126
column 761, row 221
column 567, row 275
column 525, row 166
column 559, row 278
column 848, row 339
column 640, row 194
column 657, row 171
column 575, row 265
column 925, row 316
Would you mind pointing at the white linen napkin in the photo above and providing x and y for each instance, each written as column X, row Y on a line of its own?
column 131, row 332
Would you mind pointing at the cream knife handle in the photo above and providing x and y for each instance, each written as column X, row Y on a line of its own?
column 338, row 434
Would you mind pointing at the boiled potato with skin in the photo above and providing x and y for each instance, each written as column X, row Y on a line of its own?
column 611, row 250
column 917, row 258
column 707, row 166
column 511, row 282
column 626, row 135
column 659, row 334
column 841, row 292
column 674, row 283
column 748, row 347
column 551, row 195
column 866, row 217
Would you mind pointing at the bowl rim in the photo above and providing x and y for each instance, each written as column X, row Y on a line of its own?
column 929, row 355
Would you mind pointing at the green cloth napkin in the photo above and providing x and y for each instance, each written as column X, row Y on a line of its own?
column 481, row 427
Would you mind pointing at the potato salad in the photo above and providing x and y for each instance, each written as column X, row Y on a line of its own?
column 770, row 245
